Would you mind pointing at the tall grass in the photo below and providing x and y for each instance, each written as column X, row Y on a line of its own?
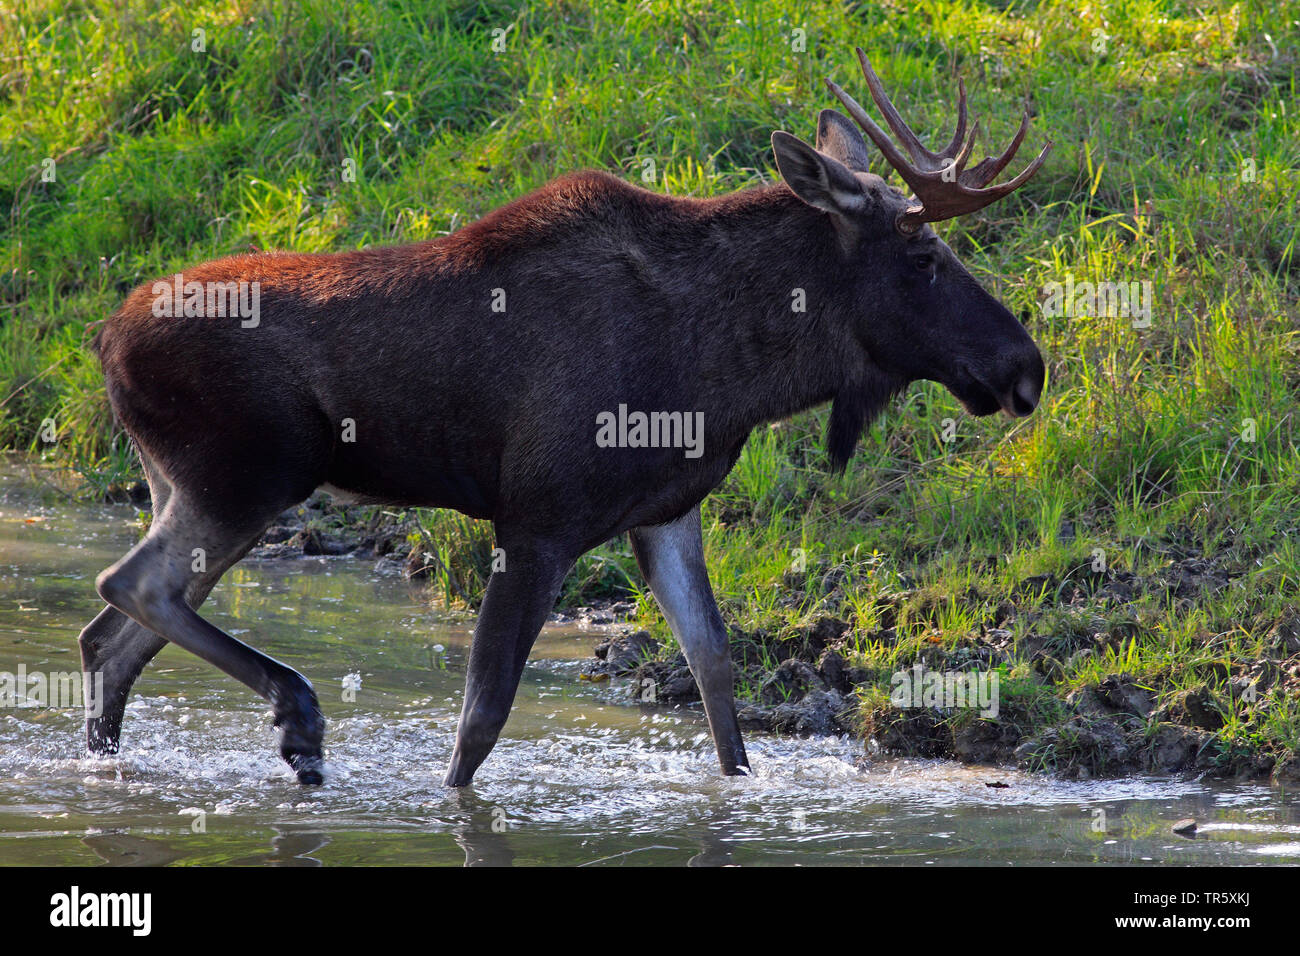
column 328, row 125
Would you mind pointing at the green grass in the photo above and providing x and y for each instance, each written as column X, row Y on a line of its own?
column 1177, row 147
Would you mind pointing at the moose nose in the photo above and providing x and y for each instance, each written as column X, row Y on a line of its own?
column 1024, row 396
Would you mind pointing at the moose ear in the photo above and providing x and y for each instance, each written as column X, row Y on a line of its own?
column 838, row 138
column 817, row 179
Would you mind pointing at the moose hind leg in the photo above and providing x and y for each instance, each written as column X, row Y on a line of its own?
column 671, row 556
column 115, row 650
column 160, row 581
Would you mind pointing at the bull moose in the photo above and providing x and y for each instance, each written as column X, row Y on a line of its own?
column 502, row 347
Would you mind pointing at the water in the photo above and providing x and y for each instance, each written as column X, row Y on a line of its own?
column 580, row 776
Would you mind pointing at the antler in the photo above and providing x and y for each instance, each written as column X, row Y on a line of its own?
column 945, row 189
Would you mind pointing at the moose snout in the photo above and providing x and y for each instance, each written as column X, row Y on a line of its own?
column 1024, row 397
column 1027, row 386
column 1009, row 379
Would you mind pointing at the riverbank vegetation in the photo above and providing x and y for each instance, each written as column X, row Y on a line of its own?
column 1127, row 559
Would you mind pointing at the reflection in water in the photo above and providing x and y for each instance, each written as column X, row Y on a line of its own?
column 295, row 847
column 124, row 849
column 485, row 847
column 716, row 841
column 484, row 834
column 579, row 778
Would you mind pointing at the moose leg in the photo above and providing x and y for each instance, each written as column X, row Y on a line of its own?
column 514, row 609
column 160, row 580
column 117, row 649
column 671, row 557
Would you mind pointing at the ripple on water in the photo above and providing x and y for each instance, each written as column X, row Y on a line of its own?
column 581, row 775
column 179, row 753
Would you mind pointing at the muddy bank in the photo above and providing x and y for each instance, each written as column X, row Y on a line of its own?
column 319, row 527
column 809, row 691
column 396, row 544
column 821, row 680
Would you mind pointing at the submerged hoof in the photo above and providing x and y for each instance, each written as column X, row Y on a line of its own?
column 301, row 728
column 101, row 743
column 457, row 781
column 308, row 767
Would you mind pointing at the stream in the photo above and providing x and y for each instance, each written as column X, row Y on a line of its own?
column 582, row 775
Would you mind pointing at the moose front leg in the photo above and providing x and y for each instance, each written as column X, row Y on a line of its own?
column 514, row 609
column 671, row 557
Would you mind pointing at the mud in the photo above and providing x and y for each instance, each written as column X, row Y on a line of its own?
column 807, row 683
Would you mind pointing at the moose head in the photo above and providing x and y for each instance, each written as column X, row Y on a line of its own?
column 924, row 315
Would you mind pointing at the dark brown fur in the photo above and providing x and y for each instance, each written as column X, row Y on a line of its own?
column 613, row 295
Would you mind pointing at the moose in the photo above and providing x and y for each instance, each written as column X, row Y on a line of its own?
column 472, row 372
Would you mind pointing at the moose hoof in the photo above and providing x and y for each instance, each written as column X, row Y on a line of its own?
column 100, row 743
column 301, row 727
column 308, row 767
column 456, row 781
